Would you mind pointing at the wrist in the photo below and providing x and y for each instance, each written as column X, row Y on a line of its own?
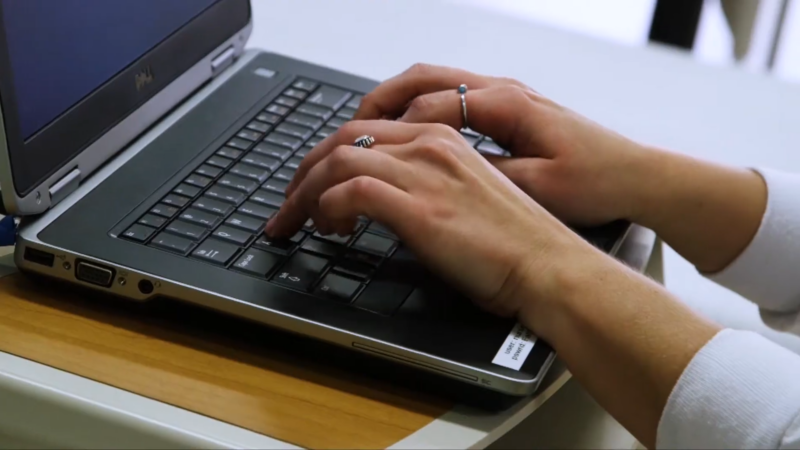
column 548, row 295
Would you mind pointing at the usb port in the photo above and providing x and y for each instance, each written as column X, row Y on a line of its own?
column 39, row 257
column 94, row 274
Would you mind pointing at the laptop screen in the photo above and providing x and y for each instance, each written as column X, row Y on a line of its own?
column 61, row 51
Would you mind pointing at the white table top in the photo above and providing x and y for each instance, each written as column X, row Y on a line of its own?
column 655, row 95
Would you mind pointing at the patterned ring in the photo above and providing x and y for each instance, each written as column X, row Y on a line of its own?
column 365, row 141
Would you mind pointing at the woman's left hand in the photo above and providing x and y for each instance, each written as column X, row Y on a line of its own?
column 454, row 210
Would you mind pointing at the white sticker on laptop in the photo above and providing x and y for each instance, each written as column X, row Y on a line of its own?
column 516, row 348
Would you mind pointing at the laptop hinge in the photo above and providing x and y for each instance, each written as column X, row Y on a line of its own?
column 65, row 186
column 223, row 61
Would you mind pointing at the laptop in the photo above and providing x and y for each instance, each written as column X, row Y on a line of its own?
column 144, row 150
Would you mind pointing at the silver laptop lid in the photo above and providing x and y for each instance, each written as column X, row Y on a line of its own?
column 79, row 79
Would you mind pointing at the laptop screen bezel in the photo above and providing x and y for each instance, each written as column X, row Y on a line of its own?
column 33, row 160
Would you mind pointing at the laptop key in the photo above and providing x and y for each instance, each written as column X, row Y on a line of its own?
column 378, row 228
column 355, row 101
column 264, row 162
column 240, row 144
column 197, row 180
column 187, row 230
column 259, row 127
column 152, row 220
column 286, row 101
column 219, row 161
column 276, row 186
column 247, row 223
column 346, row 113
column 303, row 152
column 256, row 210
column 268, row 118
column 372, row 243
column 283, row 140
column 489, row 147
column 471, row 140
column 354, row 270
column 284, row 174
column 334, row 238
column 201, row 218
column 172, row 243
column 233, row 235
column 268, row 198
column 316, row 111
column 329, row 97
column 238, row 183
column 186, row 190
column 251, row 135
column 336, row 122
column 277, row 109
column 251, row 172
column 304, row 120
column 215, row 251
column 226, row 195
column 337, row 288
column 305, row 85
column 298, row 237
column 213, row 206
column 297, row 131
column 293, row 163
column 383, row 296
column 175, row 200
column 208, row 171
column 279, row 246
column 309, row 226
column 273, row 151
column 164, row 210
column 364, row 258
column 325, row 132
column 228, row 152
column 296, row 93
column 323, row 248
column 138, row 233
column 300, row 271
column 255, row 262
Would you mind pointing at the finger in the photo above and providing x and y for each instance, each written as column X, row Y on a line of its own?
column 366, row 196
column 523, row 172
column 500, row 112
column 384, row 132
column 391, row 97
column 343, row 164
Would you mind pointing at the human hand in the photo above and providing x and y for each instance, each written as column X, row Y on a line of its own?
column 580, row 171
column 455, row 211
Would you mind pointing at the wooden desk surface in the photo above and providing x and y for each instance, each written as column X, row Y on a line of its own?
column 225, row 369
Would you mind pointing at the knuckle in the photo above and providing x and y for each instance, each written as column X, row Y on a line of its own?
column 439, row 149
column 340, row 156
column 419, row 68
column 420, row 104
column 361, row 187
column 506, row 81
column 350, row 129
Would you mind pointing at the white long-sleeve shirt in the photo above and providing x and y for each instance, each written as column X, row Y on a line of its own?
column 742, row 390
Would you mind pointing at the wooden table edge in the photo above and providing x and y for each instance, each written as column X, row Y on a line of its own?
column 461, row 427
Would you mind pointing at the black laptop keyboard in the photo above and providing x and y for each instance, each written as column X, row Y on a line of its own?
column 218, row 213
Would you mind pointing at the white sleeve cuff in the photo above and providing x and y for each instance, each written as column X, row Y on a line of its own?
column 767, row 270
column 739, row 391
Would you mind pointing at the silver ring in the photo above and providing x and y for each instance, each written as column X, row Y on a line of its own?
column 463, row 91
column 365, row 141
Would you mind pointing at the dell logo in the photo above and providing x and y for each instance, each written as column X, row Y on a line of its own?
column 144, row 78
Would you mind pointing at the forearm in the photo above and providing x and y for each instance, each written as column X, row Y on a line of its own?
column 621, row 335
column 707, row 212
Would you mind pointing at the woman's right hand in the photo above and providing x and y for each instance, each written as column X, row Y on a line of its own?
column 582, row 172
